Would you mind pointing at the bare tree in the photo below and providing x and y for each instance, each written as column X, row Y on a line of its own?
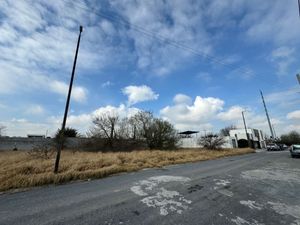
column 211, row 141
column 157, row 133
column 142, row 127
column 143, row 122
column 124, row 129
column 292, row 137
column 2, row 129
column 134, row 125
column 226, row 130
column 162, row 135
column 42, row 151
column 105, row 126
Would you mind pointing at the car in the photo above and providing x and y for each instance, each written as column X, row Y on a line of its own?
column 295, row 150
column 283, row 146
column 273, row 147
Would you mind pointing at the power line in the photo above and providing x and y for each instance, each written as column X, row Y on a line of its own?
column 120, row 20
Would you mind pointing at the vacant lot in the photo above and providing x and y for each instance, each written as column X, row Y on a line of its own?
column 21, row 170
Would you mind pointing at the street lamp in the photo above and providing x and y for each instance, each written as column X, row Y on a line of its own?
column 247, row 135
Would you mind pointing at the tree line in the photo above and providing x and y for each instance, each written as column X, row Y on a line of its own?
column 155, row 132
column 143, row 126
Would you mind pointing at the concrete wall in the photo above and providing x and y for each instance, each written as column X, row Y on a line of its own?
column 191, row 142
column 231, row 142
column 85, row 144
column 188, row 142
column 20, row 143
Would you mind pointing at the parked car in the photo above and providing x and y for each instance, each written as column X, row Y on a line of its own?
column 283, row 146
column 295, row 150
column 273, row 147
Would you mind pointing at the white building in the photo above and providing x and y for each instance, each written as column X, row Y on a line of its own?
column 256, row 137
column 237, row 139
column 189, row 139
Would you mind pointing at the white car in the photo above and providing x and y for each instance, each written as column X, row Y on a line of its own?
column 273, row 147
column 295, row 150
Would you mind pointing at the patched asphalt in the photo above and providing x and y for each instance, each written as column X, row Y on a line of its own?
column 254, row 189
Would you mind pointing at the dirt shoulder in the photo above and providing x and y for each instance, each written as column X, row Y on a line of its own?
column 21, row 170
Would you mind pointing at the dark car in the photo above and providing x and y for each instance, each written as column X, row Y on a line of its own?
column 283, row 146
column 273, row 147
column 295, row 150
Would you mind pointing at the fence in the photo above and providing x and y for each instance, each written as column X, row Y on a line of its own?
column 85, row 144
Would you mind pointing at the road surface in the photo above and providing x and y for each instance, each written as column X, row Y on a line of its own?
column 261, row 188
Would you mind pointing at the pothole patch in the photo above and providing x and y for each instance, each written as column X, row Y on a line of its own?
column 157, row 196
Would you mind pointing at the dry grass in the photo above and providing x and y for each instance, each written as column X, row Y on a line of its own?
column 20, row 170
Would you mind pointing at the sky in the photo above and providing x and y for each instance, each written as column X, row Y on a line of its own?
column 197, row 64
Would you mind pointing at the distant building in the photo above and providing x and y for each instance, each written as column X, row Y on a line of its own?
column 231, row 142
column 35, row 136
column 256, row 137
column 189, row 139
column 237, row 139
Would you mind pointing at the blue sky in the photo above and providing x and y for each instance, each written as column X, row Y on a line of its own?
column 197, row 64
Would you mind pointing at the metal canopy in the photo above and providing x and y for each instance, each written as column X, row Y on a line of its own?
column 189, row 132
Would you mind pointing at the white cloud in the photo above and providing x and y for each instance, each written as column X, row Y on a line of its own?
column 3, row 106
column 22, row 127
column 78, row 93
column 106, row 84
column 192, row 116
column 35, row 110
column 204, row 76
column 261, row 21
column 138, row 94
column 182, row 99
column 83, row 122
column 246, row 73
column 209, row 114
column 36, row 54
column 255, row 120
column 284, row 98
column 292, row 127
column 121, row 111
column 157, row 23
column 233, row 113
column 282, row 52
column 283, row 58
column 295, row 115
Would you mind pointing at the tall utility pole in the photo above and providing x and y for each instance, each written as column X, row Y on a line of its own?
column 247, row 135
column 62, row 131
column 275, row 136
column 299, row 6
column 267, row 114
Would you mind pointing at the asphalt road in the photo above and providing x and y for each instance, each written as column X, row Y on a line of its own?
column 261, row 188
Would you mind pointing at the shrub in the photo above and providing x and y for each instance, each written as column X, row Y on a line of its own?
column 42, row 151
column 211, row 141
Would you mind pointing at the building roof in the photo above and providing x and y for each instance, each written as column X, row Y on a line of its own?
column 189, row 132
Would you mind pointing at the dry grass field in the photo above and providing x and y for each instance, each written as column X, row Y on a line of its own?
column 20, row 170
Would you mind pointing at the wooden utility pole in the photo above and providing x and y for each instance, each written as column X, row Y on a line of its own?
column 62, row 130
column 245, row 126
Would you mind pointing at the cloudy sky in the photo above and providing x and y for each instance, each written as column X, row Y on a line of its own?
column 196, row 63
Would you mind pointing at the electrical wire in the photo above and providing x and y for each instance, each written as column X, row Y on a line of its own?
column 121, row 21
